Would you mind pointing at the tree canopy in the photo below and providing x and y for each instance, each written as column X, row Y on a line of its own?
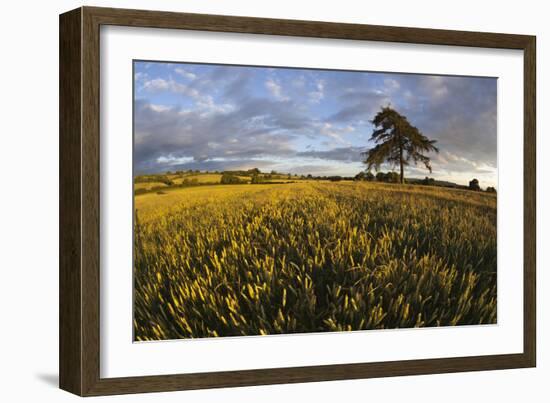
column 398, row 142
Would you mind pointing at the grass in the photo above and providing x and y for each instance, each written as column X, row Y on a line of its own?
column 233, row 260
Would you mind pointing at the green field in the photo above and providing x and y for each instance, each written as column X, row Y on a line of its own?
column 311, row 256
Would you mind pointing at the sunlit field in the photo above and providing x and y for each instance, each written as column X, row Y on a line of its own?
column 311, row 256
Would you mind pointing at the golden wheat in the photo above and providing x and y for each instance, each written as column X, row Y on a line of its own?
column 311, row 257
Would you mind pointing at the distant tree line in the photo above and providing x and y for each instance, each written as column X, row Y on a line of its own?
column 474, row 185
column 388, row 177
column 257, row 177
column 394, row 177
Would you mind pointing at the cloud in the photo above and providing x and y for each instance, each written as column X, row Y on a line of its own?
column 461, row 113
column 336, row 154
column 299, row 82
column 335, row 133
column 275, row 90
column 171, row 160
column 237, row 88
column 391, row 84
column 319, row 93
column 245, row 132
column 160, row 84
column 139, row 76
column 159, row 108
column 206, row 116
column 185, row 74
column 359, row 105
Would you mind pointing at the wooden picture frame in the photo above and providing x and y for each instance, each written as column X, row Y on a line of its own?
column 79, row 347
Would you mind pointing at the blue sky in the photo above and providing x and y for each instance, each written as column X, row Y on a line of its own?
column 218, row 117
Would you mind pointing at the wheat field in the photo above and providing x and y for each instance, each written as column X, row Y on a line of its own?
column 311, row 256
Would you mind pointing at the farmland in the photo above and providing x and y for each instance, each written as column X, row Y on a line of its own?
column 302, row 255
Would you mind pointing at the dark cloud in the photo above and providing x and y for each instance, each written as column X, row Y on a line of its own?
column 227, row 117
column 244, row 132
column 335, row 154
column 237, row 88
column 229, row 165
column 459, row 112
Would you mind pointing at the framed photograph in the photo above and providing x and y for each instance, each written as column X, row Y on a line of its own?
column 249, row 201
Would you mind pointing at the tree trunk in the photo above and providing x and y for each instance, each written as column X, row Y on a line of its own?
column 401, row 176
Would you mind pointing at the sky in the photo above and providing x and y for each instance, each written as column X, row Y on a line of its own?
column 304, row 121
